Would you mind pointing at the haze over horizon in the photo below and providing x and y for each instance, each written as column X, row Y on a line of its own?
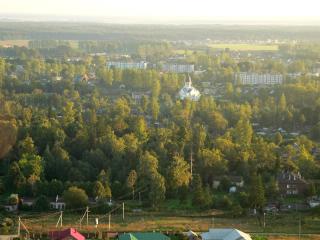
column 165, row 11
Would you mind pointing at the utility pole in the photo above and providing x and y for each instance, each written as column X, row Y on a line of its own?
column 19, row 226
column 299, row 227
column 109, row 221
column 264, row 221
column 123, row 211
column 191, row 162
column 59, row 220
column 87, row 210
column 86, row 214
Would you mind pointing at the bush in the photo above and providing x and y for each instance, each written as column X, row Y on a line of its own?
column 224, row 203
column 42, row 204
column 75, row 197
column 13, row 199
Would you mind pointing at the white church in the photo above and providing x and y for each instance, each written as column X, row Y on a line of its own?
column 189, row 92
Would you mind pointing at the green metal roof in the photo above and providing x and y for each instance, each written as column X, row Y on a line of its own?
column 143, row 236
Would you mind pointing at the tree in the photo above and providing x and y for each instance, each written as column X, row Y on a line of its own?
column 200, row 197
column 257, row 197
column 75, row 197
column 157, row 190
column 141, row 129
column 278, row 138
column 131, row 181
column 178, row 173
column 8, row 134
column 42, row 204
column 98, row 190
column 68, row 113
column 27, row 146
column 243, row 132
column 282, row 103
column 155, row 108
column 272, row 189
column 15, row 178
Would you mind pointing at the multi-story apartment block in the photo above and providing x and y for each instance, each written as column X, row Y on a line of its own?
column 245, row 78
column 128, row 65
column 178, row 68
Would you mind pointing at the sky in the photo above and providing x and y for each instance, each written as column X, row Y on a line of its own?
column 170, row 9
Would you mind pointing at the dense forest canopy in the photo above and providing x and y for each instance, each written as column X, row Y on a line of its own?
column 119, row 32
column 77, row 129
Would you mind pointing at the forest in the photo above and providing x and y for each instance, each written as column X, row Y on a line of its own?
column 69, row 136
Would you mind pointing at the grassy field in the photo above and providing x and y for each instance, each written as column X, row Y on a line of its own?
column 245, row 47
column 178, row 221
column 10, row 43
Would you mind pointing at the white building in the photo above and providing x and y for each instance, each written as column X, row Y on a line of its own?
column 178, row 68
column 189, row 92
column 225, row 234
column 245, row 78
column 127, row 65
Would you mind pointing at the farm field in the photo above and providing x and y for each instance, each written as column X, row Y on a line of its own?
column 11, row 43
column 245, row 47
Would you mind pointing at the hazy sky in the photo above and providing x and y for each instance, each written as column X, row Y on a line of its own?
column 165, row 8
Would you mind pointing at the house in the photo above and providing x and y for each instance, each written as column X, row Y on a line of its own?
column 234, row 180
column 70, row 233
column 11, row 208
column 137, row 96
column 191, row 235
column 314, row 202
column 291, row 183
column 225, row 234
column 58, row 204
column 9, row 237
column 27, row 202
column 143, row 236
column 81, row 78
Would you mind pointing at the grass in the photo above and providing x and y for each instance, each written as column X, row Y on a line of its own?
column 175, row 221
column 245, row 47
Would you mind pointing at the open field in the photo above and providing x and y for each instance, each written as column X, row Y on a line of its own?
column 11, row 43
column 245, row 47
column 178, row 222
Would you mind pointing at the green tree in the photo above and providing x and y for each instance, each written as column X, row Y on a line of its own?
column 157, row 190
column 98, row 190
column 15, row 178
column 131, row 181
column 257, row 197
column 42, row 204
column 75, row 197
column 8, row 134
column 178, row 173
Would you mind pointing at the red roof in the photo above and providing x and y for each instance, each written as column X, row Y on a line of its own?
column 70, row 232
